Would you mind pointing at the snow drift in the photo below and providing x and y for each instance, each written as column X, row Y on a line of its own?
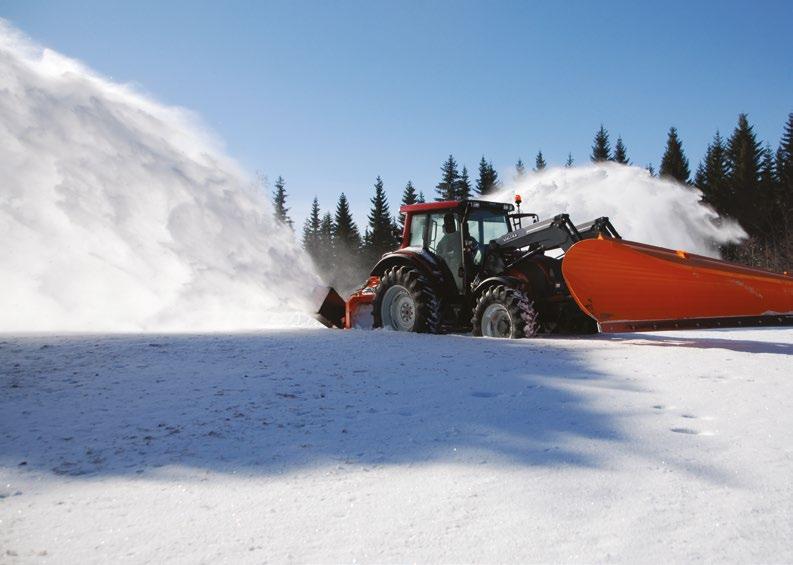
column 120, row 214
column 642, row 207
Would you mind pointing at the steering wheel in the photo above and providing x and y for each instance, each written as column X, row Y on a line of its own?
column 474, row 249
column 471, row 245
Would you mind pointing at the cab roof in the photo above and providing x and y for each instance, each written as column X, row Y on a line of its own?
column 453, row 205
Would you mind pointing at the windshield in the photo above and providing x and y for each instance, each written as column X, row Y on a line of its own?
column 486, row 225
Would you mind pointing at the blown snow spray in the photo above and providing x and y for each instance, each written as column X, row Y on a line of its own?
column 642, row 207
column 120, row 214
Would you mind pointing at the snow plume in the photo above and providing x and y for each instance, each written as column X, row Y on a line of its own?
column 120, row 214
column 642, row 208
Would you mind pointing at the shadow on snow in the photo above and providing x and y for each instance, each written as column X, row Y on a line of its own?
column 271, row 402
column 738, row 345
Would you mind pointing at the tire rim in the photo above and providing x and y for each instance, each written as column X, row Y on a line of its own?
column 496, row 321
column 398, row 309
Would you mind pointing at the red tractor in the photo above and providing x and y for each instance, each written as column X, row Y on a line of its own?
column 472, row 265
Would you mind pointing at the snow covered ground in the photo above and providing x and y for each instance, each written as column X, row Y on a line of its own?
column 334, row 446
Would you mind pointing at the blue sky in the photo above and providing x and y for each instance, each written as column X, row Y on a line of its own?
column 331, row 94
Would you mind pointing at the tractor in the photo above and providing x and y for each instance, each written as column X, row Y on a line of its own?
column 487, row 268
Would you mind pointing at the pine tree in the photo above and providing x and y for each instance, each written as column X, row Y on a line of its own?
column 650, row 169
column 279, row 202
column 346, row 237
column 493, row 176
column 601, row 149
column 483, row 182
column 488, row 182
column 396, row 232
column 463, row 191
column 569, row 162
column 409, row 197
column 311, row 231
column 379, row 238
column 771, row 221
column 520, row 171
column 711, row 177
column 539, row 162
column 366, row 244
column 327, row 253
column 674, row 163
column 421, row 199
column 620, row 153
column 744, row 156
column 447, row 188
column 784, row 169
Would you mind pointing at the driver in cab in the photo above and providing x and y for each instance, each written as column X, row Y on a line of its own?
column 449, row 245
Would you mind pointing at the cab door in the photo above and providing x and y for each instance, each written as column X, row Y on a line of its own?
column 446, row 246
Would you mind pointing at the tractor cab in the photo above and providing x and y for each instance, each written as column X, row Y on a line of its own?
column 456, row 233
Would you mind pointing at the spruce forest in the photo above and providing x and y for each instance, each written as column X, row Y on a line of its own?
column 741, row 177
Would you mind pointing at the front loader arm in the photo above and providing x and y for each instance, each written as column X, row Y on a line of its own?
column 556, row 233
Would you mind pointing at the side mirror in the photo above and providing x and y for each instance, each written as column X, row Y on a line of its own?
column 449, row 225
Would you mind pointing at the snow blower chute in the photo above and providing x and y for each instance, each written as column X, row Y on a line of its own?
column 472, row 265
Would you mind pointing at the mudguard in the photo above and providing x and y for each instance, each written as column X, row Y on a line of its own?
column 629, row 286
column 512, row 282
column 436, row 271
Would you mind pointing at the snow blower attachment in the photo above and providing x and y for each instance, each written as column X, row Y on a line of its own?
column 472, row 265
column 355, row 313
column 332, row 311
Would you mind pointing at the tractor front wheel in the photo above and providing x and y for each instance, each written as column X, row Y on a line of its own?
column 504, row 312
column 404, row 301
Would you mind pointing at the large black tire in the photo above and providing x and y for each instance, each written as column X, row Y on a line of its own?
column 504, row 312
column 405, row 301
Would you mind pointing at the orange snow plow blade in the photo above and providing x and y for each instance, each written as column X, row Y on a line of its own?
column 628, row 286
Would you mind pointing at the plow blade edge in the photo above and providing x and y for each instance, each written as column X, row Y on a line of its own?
column 628, row 286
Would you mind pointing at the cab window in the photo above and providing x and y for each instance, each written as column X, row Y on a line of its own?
column 417, row 224
column 485, row 225
column 437, row 239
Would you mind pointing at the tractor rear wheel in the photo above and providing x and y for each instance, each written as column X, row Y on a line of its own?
column 504, row 312
column 405, row 301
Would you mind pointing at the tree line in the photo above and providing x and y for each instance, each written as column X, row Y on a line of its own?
column 740, row 177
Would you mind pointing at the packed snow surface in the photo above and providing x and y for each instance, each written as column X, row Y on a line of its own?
column 343, row 446
column 120, row 214
column 642, row 207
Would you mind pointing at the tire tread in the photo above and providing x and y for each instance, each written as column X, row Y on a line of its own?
column 428, row 306
column 520, row 308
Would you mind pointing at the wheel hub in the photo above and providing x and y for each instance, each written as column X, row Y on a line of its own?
column 398, row 309
column 406, row 311
column 496, row 321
